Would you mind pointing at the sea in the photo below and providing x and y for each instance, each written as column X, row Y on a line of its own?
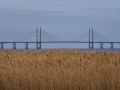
column 73, row 49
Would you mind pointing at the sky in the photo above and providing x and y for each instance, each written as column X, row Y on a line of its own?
column 64, row 18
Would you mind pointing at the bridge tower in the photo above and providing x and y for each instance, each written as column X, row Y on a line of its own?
column 38, row 38
column 91, row 45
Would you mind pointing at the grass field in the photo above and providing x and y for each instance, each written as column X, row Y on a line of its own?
column 59, row 70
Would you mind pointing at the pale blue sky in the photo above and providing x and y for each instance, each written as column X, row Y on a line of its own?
column 63, row 18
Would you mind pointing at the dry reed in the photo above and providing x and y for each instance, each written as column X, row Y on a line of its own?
column 59, row 70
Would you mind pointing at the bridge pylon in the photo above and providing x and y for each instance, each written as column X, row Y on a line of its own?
column 91, row 44
column 38, row 38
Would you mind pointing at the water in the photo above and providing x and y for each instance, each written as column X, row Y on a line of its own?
column 73, row 49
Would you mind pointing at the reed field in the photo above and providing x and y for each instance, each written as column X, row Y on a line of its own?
column 59, row 69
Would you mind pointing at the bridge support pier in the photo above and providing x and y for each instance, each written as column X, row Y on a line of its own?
column 1, row 45
column 91, row 45
column 111, row 45
column 14, row 45
column 26, row 45
column 101, row 45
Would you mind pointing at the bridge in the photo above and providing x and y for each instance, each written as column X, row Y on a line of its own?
column 90, row 38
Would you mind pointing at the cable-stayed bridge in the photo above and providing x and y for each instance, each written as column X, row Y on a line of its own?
column 31, row 37
column 46, row 36
column 40, row 37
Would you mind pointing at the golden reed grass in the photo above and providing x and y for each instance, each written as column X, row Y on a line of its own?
column 59, row 70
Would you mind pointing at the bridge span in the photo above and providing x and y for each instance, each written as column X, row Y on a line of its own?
column 38, row 44
column 90, row 39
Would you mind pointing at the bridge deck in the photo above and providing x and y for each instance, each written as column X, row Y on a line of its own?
column 38, row 44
